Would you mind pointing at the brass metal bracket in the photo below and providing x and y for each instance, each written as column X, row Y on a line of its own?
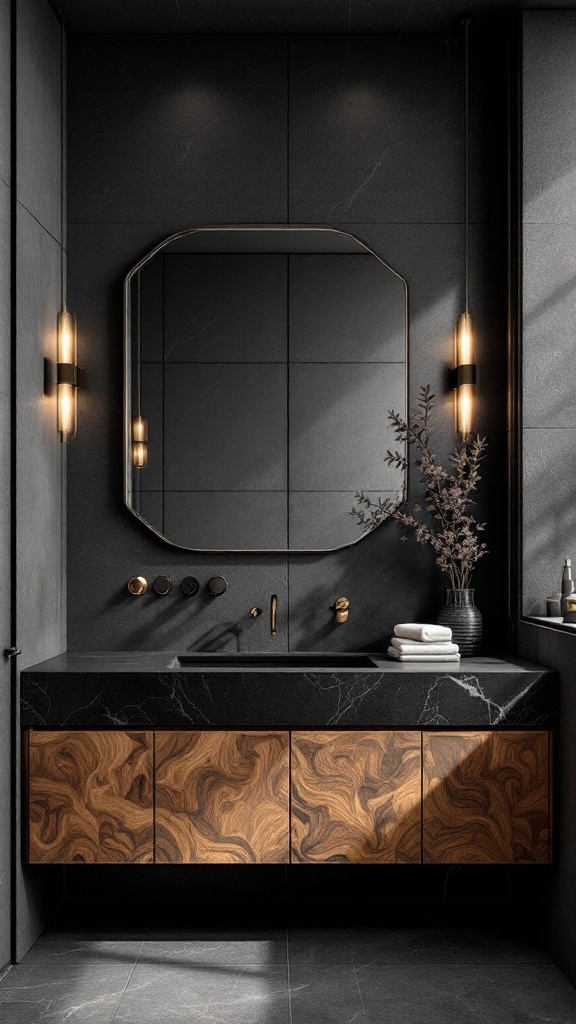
column 62, row 373
column 69, row 373
column 464, row 374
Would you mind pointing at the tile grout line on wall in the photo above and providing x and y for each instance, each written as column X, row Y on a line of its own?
column 287, row 563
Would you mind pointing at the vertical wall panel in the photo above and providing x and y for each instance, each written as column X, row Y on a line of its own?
column 556, row 899
column 549, row 298
column 5, row 498
column 38, row 100
column 39, row 455
column 549, row 410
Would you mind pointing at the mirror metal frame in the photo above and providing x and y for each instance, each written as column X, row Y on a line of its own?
column 127, row 411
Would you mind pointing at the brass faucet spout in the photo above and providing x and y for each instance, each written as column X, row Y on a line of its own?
column 273, row 614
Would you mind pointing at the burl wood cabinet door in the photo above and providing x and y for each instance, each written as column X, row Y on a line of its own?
column 356, row 797
column 486, row 798
column 90, row 797
column 222, row 798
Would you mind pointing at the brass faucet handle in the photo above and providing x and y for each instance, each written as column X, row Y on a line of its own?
column 341, row 607
column 137, row 586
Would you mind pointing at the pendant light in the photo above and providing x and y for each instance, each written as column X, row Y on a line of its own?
column 465, row 374
column 69, row 376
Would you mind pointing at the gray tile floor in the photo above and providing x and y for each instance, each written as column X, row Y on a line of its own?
column 446, row 965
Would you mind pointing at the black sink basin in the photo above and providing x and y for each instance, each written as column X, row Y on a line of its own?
column 303, row 661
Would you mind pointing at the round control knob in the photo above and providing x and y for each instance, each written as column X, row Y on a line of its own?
column 137, row 586
column 217, row 586
column 190, row 586
column 162, row 585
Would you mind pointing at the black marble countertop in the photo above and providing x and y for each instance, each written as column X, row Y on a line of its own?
column 149, row 689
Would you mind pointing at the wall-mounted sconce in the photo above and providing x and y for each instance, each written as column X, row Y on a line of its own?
column 69, row 377
column 465, row 381
column 464, row 376
column 139, row 442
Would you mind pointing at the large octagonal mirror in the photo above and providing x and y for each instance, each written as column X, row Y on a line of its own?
column 261, row 363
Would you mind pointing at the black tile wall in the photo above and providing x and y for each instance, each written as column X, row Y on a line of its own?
column 548, row 168
column 5, row 70
column 237, row 306
column 253, row 456
column 549, row 312
column 549, row 300
column 395, row 16
column 171, row 131
column 38, row 97
column 364, row 122
column 549, row 517
column 345, row 436
column 183, row 130
column 372, row 329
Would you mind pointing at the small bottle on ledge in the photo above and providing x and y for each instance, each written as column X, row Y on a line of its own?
column 567, row 586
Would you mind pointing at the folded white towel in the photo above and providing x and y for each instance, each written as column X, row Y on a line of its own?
column 395, row 653
column 420, row 647
column 426, row 632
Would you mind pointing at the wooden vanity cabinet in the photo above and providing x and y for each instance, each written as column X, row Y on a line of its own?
column 90, row 797
column 222, row 798
column 486, row 797
column 356, row 797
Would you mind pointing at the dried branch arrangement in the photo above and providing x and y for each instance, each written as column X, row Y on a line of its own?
column 446, row 523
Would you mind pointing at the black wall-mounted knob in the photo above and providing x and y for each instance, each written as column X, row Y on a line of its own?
column 190, row 586
column 163, row 585
column 217, row 586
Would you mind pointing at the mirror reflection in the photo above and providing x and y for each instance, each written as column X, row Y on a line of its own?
column 263, row 362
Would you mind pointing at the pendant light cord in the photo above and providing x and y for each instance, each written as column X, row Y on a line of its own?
column 466, row 23
column 63, row 171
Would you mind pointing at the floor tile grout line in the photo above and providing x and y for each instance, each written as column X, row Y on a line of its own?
column 359, row 991
column 128, row 980
column 288, row 977
column 439, row 930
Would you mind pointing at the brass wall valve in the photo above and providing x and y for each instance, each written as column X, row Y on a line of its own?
column 137, row 586
column 341, row 608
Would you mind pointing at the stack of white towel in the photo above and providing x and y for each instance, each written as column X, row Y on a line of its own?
column 413, row 641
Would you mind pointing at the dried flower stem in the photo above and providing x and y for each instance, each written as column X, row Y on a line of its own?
column 449, row 526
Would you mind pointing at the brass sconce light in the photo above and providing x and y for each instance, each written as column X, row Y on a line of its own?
column 464, row 377
column 139, row 442
column 69, row 377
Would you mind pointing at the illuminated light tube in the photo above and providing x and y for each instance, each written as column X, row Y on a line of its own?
column 139, row 442
column 69, row 377
column 465, row 376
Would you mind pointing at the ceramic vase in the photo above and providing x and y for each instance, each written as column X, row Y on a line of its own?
column 464, row 619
